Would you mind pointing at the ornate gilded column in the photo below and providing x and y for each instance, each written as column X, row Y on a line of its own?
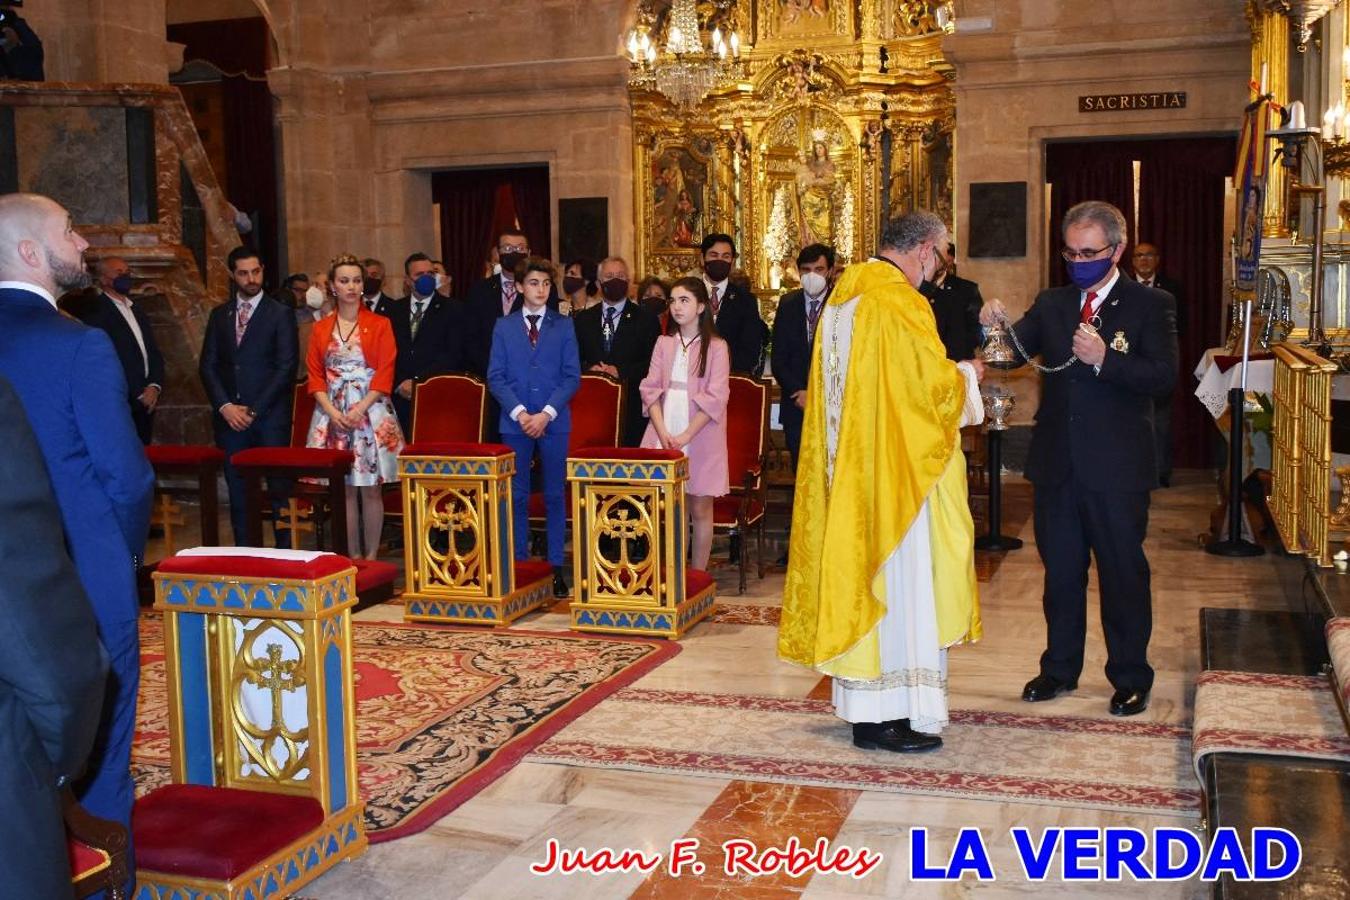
column 1270, row 45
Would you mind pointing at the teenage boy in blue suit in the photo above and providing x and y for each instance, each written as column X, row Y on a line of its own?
column 533, row 371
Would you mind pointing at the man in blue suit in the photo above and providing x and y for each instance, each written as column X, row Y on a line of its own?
column 247, row 366
column 71, row 385
column 533, row 371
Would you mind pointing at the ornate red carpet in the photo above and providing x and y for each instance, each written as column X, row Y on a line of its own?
column 441, row 713
column 1117, row 765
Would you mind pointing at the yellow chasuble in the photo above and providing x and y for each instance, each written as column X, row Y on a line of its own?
column 898, row 446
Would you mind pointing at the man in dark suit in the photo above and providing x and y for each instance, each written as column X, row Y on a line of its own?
column 248, row 361
column 70, row 384
column 1146, row 260
column 372, row 287
column 794, row 334
column 956, row 307
column 735, row 310
column 428, row 330
column 1092, row 453
column 534, row 372
column 52, row 667
column 132, row 337
column 616, row 337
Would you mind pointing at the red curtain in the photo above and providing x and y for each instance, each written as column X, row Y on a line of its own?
column 476, row 204
column 1181, row 194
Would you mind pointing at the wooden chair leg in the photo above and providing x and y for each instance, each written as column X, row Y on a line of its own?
column 743, row 562
column 759, row 544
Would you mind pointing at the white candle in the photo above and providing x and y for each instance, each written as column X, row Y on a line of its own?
column 1265, row 71
column 1297, row 117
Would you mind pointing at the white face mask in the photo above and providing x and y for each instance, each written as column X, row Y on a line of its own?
column 814, row 283
column 314, row 297
column 440, row 281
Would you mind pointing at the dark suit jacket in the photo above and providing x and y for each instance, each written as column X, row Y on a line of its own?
column 739, row 324
column 381, row 304
column 438, row 347
column 483, row 309
column 258, row 373
column 1097, row 428
column 547, row 374
column 956, row 307
column 630, row 352
column 103, row 313
column 1172, row 286
column 71, row 386
column 791, row 354
column 52, row 666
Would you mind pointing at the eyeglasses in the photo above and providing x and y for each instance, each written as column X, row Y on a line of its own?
column 1073, row 255
column 520, row 249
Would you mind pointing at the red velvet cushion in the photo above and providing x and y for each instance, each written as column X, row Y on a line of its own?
column 255, row 567
column 595, row 413
column 372, row 573
column 531, row 570
column 454, row 448
column 629, row 453
column 183, row 454
column 726, row 508
column 216, row 833
column 745, row 426
column 393, row 501
column 696, row 580
column 302, row 413
column 448, row 408
column 85, row 860
column 284, row 457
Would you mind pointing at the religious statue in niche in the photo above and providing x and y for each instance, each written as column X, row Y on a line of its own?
column 793, row 11
column 679, row 182
column 817, row 190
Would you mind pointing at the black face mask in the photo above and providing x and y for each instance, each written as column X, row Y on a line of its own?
column 717, row 269
column 572, row 284
column 615, row 289
column 509, row 262
column 371, row 285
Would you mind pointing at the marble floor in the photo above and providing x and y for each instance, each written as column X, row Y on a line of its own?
column 484, row 849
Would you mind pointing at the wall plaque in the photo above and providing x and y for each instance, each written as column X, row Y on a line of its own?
column 1118, row 102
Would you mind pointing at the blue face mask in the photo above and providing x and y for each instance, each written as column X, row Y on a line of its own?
column 122, row 284
column 1085, row 274
column 424, row 285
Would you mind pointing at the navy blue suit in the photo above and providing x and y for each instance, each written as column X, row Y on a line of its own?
column 71, row 386
column 258, row 373
column 547, row 374
column 141, row 371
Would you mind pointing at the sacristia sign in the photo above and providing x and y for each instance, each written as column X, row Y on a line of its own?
column 1119, row 102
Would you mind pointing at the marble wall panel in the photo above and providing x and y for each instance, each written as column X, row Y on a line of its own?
column 77, row 155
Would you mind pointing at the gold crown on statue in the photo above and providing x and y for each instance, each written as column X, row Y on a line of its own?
column 820, row 134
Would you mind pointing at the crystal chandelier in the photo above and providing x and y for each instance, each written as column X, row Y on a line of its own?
column 684, row 70
column 1303, row 14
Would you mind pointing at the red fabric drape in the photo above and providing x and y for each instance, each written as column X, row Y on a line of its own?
column 476, row 204
column 1181, row 192
column 235, row 46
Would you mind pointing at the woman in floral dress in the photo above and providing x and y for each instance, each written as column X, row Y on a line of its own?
column 351, row 375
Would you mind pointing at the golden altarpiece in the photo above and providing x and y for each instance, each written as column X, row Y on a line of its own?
column 834, row 116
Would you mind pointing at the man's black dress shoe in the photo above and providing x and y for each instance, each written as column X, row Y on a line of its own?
column 1128, row 703
column 1046, row 687
column 895, row 736
column 560, row 588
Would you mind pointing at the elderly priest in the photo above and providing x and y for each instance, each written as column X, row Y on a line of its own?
column 881, row 573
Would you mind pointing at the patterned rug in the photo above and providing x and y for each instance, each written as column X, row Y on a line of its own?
column 1116, row 765
column 1283, row 715
column 441, row 713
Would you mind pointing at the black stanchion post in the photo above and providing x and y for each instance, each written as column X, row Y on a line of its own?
column 1235, row 545
column 995, row 539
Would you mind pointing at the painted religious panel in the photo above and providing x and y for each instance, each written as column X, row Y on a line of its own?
column 679, row 195
column 785, row 19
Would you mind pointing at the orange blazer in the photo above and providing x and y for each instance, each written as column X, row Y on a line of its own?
column 377, row 344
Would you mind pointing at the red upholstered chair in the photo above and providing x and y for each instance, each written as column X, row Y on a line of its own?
column 202, row 462
column 445, row 409
column 597, row 421
column 747, row 438
column 97, row 849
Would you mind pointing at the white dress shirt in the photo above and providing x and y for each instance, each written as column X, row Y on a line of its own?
column 123, row 305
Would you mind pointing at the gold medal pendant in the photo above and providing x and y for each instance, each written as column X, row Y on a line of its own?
column 1119, row 344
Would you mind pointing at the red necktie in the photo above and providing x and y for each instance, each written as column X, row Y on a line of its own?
column 716, row 302
column 534, row 330
column 1085, row 316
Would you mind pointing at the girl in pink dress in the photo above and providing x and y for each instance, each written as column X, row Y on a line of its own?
column 685, row 395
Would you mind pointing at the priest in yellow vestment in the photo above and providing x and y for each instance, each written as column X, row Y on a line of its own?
column 881, row 569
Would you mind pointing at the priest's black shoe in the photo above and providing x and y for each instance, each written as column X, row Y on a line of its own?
column 1046, row 687
column 895, row 736
column 1128, row 703
column 560, row 588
